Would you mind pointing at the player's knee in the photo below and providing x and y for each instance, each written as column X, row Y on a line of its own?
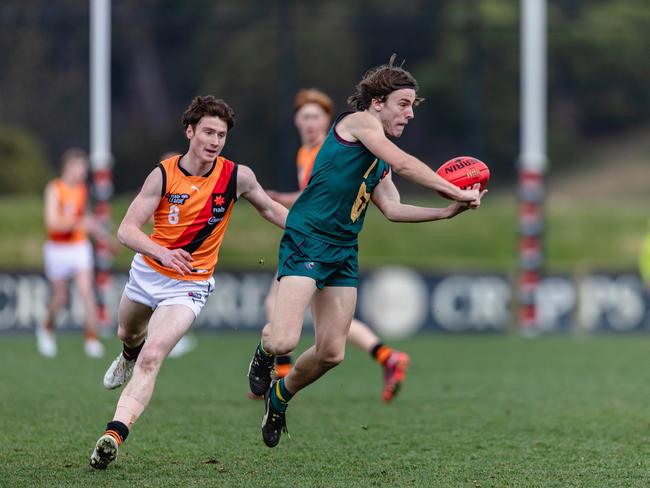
column 130, row 338
column 59, row 297
column 266, row 333
column 151, row 358
column 330, row 359
column 283, row 346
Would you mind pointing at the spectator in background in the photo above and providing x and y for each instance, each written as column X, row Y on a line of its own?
column 68, row 253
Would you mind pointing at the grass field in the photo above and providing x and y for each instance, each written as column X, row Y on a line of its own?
column 490, row 411
column 581, row 235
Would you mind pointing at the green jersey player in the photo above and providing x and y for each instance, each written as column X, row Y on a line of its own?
column 318, row 257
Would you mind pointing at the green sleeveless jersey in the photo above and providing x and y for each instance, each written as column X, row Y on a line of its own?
column 333, row 205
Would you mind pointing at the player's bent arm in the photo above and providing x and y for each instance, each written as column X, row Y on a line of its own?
column 284, row 198
column 387, row 198
column 139, row 213
column 369, row 132
column 249, row 188
column 55, row 220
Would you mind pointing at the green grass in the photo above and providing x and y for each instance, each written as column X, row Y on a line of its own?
column 583, row 236
column 490, row 411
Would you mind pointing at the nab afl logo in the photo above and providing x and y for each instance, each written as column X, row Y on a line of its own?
column 176, row 198
column 218, row 210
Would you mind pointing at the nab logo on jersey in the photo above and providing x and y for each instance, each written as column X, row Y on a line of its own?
column 176, row 198
column 218, row 210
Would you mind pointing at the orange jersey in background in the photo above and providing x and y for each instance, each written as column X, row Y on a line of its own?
column 71, row 200
column 193, row 214
column 305, row 163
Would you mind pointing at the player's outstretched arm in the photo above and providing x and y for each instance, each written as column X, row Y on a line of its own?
column 140, row 211
column 370, row 133
column 387, row 198
column 249, row 188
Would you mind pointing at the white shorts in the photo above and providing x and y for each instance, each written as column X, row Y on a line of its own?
column 153, row 289
column 64, row 260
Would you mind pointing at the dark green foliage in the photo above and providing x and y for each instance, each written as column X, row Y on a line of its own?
column 256, row 54
column 23, row 162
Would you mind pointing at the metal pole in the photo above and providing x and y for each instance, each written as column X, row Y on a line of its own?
column 101, row 159
column 532, row 158
column 533, row 86
column 100, row 58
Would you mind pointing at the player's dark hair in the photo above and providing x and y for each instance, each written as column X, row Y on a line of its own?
column 381, row 81
column 212, row 107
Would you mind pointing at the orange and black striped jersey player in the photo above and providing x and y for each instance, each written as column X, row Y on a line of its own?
column 190, row 198
column 313, row 112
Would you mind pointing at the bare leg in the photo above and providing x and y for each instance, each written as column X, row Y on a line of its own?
column 269, row 307
column 282, row 335
column 362, row 336
column 271, row 297
column 85, row 285
column 133, row 318
column 333, row 308
column 58, row 297
column 166, row 326
column 294, row 296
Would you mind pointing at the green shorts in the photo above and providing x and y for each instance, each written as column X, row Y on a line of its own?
column 328, row 264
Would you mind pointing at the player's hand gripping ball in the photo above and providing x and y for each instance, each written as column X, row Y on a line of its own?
column 464, row 172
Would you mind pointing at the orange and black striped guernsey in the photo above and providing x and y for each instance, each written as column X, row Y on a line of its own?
column 193, row 214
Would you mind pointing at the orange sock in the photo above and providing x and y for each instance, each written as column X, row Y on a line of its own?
column 381, row 353
column 117, row 430
column 114, row 435
column 282, row 369
column 90, row 334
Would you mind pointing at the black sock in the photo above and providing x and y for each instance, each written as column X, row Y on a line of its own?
column 131, row 353
column 283, row 359
column 375, row 350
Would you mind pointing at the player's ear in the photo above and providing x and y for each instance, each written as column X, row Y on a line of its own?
column 189, row 131
column 377, row 104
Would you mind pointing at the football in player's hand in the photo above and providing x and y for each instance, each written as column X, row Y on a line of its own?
column 464, row 172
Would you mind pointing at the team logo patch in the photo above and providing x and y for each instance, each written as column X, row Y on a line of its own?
column 195, row 295
column 218, row 209
column 310, row 265
column 176, row 198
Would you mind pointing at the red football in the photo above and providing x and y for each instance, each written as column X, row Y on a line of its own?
column 465, row 171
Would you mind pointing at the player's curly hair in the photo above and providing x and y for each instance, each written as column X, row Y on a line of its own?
column 313, row 95
column 381, row 81
column 208, row 105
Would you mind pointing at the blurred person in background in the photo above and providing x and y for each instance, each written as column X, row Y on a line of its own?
column 318, row 256
column 313, row 116
column 68, row 253
column 191, row 198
